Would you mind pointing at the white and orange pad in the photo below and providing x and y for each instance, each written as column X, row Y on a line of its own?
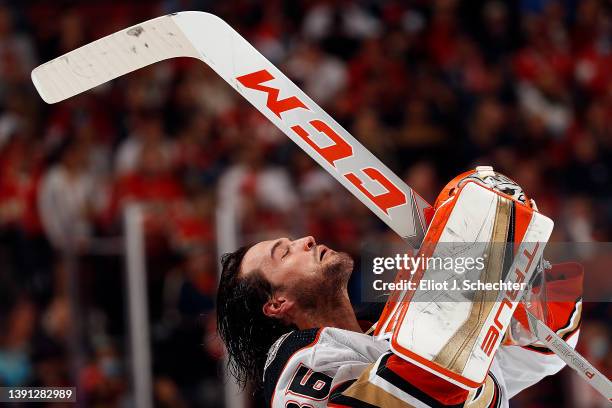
column 468, row 325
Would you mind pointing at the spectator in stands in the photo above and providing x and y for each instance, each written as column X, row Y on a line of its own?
column 67, row 198
column 147, row 129
column 152, row 184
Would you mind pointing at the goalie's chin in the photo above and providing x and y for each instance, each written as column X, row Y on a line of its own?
column 338, row 266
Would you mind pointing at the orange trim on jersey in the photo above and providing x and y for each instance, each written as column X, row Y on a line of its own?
column 436, row 387
column 334, row 390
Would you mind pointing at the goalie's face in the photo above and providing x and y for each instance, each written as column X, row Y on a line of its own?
column 299, row 271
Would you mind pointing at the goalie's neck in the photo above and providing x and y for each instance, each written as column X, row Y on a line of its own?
column 339, row 314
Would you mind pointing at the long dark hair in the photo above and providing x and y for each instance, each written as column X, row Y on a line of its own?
column 247, row 333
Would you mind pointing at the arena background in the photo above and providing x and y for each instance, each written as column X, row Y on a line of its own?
column 430, row 87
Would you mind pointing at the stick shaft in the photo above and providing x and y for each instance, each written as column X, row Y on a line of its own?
column 573, row 359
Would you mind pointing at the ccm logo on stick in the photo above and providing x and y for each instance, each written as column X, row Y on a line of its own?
column 493, row 333
column 340, row 149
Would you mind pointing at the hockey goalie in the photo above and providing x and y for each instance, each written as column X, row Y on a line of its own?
column 288, row 325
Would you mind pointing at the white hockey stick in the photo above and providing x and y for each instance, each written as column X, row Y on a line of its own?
column 573, row 359
column 208, row 38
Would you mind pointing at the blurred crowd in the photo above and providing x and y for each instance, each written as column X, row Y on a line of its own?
column 432, row 88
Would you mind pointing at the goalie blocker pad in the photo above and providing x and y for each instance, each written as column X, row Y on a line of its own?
column 455, row 333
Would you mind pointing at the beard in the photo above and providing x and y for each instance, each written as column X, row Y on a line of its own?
column 329, row 285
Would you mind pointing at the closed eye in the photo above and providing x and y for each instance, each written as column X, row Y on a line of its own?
column 286, row 253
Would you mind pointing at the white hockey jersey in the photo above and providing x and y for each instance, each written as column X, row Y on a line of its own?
column 331, row 367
